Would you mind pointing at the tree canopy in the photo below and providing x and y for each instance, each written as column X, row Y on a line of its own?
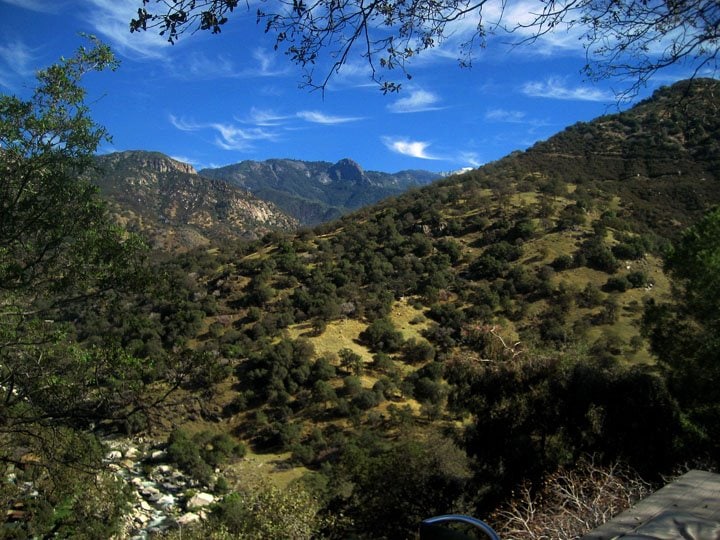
column 57, row 249
column 684, row 333
column 627, row 39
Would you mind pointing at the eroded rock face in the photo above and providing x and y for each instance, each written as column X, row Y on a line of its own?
column 152, row 161
column 164, row 165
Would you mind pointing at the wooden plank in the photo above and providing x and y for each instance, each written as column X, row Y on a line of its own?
column 693, row 500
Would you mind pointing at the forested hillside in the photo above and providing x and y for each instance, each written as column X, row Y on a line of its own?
column 429, row 354
column 481, row 332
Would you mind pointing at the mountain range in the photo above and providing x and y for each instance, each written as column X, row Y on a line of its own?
column 317, row 191
column 178, row 208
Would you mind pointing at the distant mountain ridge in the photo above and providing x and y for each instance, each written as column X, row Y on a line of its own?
column 175, row 207
column 318, row 191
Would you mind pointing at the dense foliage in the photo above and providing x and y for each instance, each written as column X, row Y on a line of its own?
column 423, row 356
column 78, row 353
column 57, row 250
column 684, row 333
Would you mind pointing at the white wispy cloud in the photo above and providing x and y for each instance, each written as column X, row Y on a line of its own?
column 17, row 62
column 556, row 88
column 185, row 159
column 417, row 101
column 111, row 18
column 519, row 18
column 317, row 117
column 507, row 28
column 416, row 149
column 266, row 117
column 355, row 73
column 266, row 63
column 41, row 6
column 504, row 115
column 229, row 136
column 201, row 66
column 470, row 158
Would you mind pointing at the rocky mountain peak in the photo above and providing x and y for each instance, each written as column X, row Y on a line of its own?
column 153, row 161
column 164, row 164
column 346, row 170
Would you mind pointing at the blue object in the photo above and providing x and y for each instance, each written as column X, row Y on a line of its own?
column 433, row 529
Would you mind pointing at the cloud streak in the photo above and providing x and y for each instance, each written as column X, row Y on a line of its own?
column 39, row 6
column 111, row 18
column 405, row 147
column 229, row 136
column 504, row 115
column 417, row 101
column 266, row 64
column 316, row 117
column 200, row 66
column 556, row 88
column 16, row 62
column 259, row 125
column 266, row 118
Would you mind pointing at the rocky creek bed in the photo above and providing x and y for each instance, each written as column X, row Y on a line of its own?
column 163, row 496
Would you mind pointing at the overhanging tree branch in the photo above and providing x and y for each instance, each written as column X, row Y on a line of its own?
column 630, row 40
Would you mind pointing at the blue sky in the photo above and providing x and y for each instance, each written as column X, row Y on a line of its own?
column 212, row 100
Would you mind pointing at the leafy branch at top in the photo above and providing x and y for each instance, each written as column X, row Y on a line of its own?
column 628, row 39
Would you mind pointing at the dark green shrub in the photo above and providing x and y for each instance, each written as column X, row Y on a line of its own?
column 619, row 284
column 417, row 351
column 382, row 336
column 562, row 262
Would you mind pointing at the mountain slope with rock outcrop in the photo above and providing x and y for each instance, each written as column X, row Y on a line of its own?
column 178, row 209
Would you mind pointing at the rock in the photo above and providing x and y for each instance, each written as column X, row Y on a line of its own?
column 166, row 501
column 132, row 452
column 128, row 464
column 114, row 455
column 188, row 518
column 150, row 492
column 201, row 499
column 157, row 455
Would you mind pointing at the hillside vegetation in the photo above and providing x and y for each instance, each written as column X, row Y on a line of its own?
column 481, row 331
column 425, row 355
